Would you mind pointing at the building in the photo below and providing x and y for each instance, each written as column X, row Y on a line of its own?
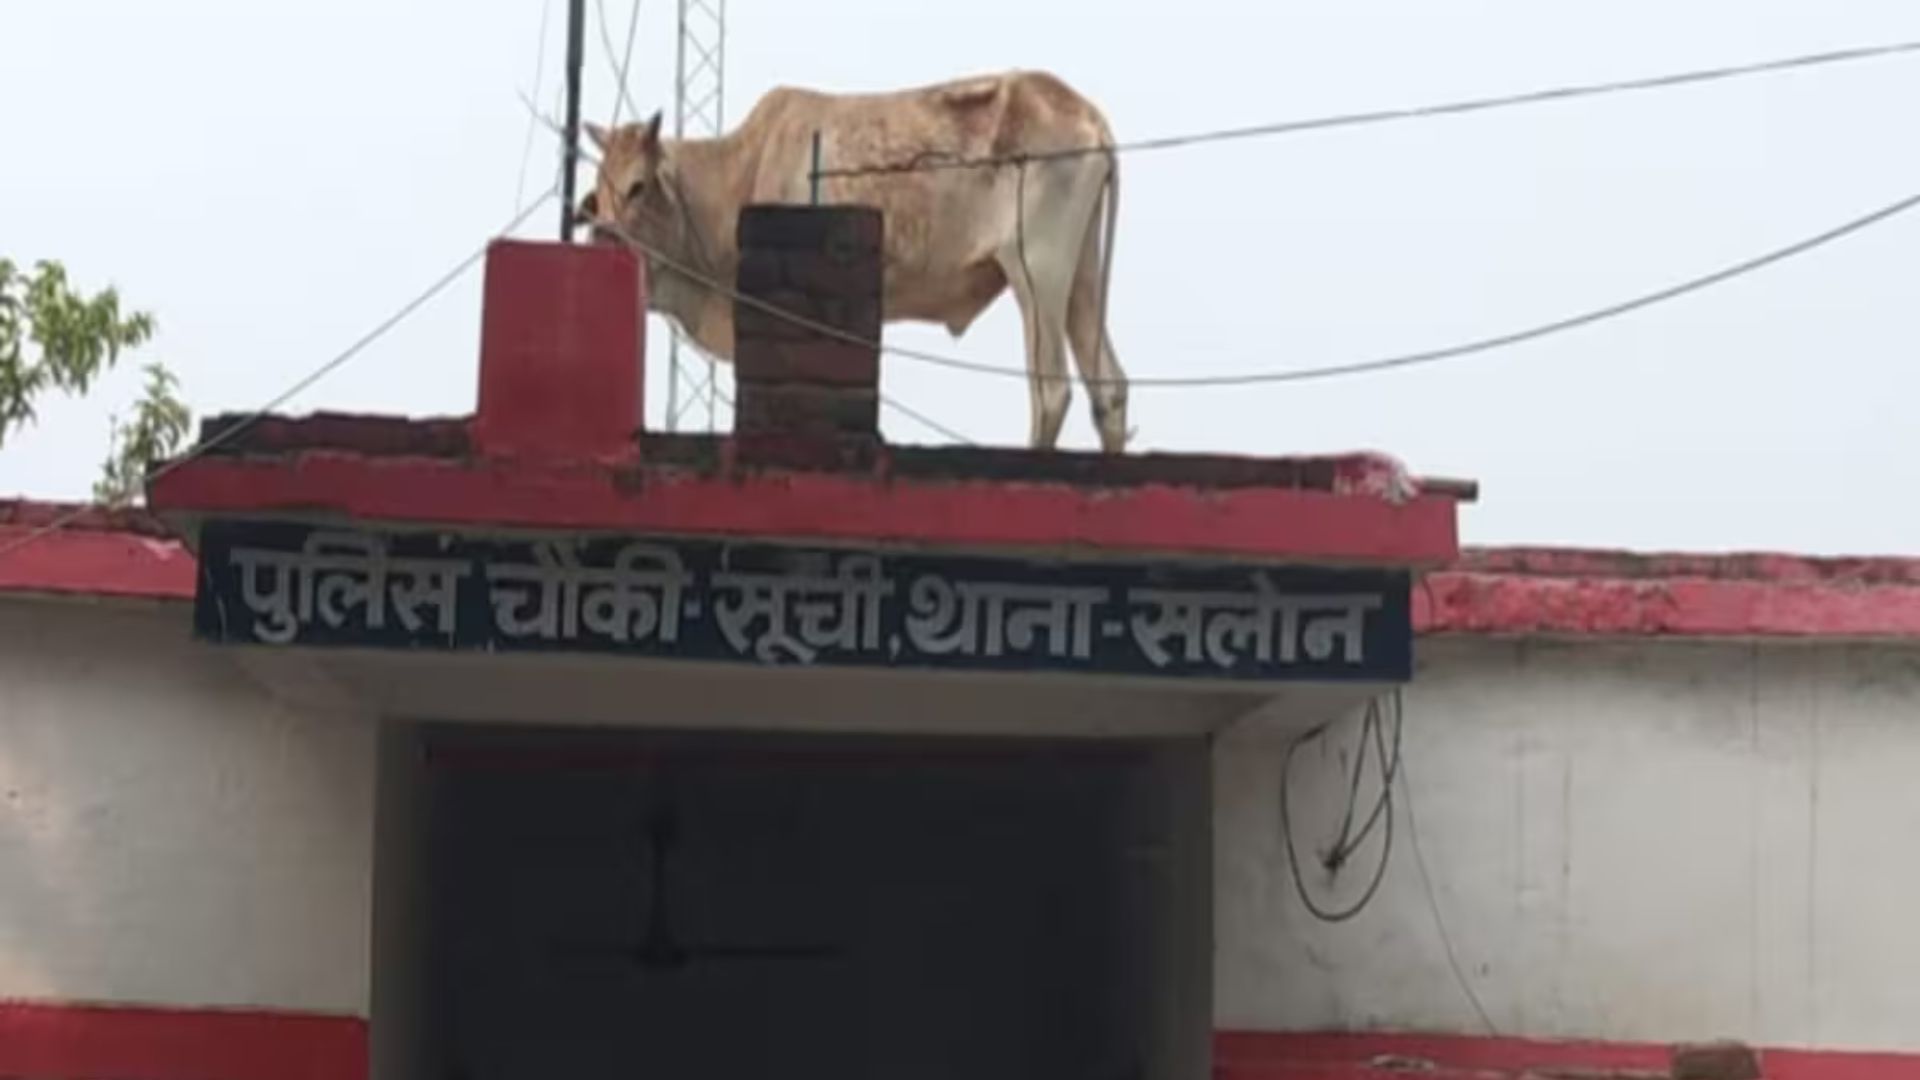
column 1021, row 814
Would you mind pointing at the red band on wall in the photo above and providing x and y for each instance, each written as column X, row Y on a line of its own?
column 40, row 1041
column 1246, row 1055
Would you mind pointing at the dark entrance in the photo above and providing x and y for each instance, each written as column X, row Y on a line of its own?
column 594, row 905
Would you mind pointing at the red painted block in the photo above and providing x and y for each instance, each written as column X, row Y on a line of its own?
column 562, row 352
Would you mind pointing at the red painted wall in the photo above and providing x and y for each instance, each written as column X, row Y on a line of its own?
column 42, row 1041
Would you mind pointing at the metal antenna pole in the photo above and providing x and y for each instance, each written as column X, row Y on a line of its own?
column 699, row 109
column 576, row 38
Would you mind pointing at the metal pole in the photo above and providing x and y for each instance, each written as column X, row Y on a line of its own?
column 699, row 104
column 679, row 132
column 816, row 166
column 576, row 40
column 719, row 114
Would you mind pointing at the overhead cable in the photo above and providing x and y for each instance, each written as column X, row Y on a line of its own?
column 886, row 401
column 360, row 345
column 539, row 76
column 626, row 60
column 1433, row 908
column 620, row 74
column 1334, row 857
column 1286, row 375
column 927, row 163
column 613, row 58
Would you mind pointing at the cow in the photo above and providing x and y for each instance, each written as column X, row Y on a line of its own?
column 957, row 232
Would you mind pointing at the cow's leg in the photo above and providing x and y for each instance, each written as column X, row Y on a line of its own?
column 1040, row 269
column 1093, row 347
column 1047, row 382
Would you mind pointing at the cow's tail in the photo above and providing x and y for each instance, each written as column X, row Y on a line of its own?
column 1111, row 197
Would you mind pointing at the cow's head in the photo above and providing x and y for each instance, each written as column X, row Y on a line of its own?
column 627, row 202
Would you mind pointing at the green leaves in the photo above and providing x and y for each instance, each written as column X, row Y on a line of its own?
column 53, row 338
column 159, row 425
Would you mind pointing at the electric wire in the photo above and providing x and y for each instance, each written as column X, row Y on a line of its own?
column 886, row 400
column 1350, row 841
column 539, row 77
column 1393, row 772
column 613, row 57
column 1419, row 358
column 1334, row 859
column 626, row 60
column 1460, row 350
column 1420, row 863
column 1433, row 908
column 360, row 345
column 923, row 419
column 924, row 163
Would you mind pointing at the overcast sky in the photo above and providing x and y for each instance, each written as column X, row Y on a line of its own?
column 271, row 179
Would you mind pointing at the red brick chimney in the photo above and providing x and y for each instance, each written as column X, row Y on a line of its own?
column 807, row 389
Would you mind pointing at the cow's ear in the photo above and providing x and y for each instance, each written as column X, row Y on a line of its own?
column 589, row 209
column 652, row 136
column 597, row 133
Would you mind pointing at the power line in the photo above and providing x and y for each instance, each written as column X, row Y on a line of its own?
column 1433, row 908
column 613, row 58
column 233, row 431
column 626, row 60
column 1372, row 733
column 539, row 76
column 535, row 116
column 553, row 126
column 1402, row 360
column 924, row 163
column 886, row 400
column 924, row 420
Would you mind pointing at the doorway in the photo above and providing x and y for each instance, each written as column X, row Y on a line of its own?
column 600, row 904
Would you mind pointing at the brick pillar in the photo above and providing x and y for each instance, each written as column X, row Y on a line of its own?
column 562, row 344
column 804, row 396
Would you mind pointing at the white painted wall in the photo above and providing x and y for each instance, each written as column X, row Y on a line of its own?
column 169, row 833
column 1640, row 841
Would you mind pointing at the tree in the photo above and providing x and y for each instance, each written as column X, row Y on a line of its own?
column 53, row 338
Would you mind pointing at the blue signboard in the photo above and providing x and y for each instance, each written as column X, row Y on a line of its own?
column 278, row 583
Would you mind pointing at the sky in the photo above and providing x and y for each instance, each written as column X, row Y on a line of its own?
column 271, row 180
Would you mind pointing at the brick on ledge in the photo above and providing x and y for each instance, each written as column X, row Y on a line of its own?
column 796, row 409
column 764, row 270
column 838, row 228
column 1715, row 1061
column 821, row 361
column 813, row 453
column 795, row 308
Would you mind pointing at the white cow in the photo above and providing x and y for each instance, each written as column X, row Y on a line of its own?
column 955, row 236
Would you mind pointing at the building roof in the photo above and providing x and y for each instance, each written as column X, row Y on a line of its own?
column 80, row 551
column 1349, row 509
column 557, row 441
column 1504, row 592
column 1554, row 592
